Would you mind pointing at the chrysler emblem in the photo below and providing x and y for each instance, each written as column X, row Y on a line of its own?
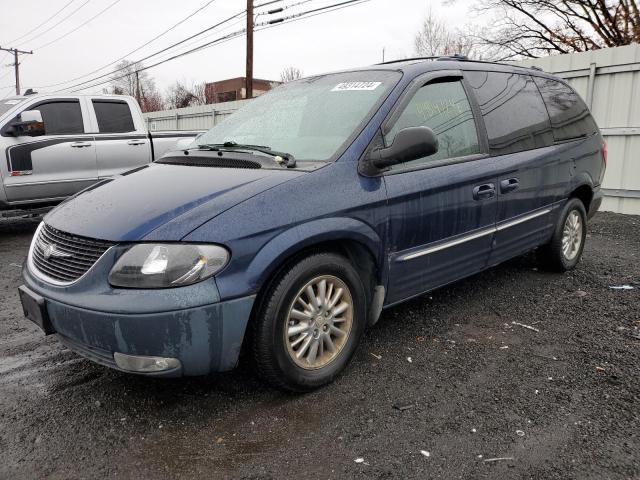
column 51, row 250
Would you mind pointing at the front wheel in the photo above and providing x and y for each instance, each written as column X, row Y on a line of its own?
column 564, row 250
column 309, row 323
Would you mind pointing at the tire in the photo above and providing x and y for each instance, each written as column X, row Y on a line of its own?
column 560, row 257
column 280, row 359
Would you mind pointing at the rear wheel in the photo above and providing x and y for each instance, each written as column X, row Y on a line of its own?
column 564, row 250
column 310, row 323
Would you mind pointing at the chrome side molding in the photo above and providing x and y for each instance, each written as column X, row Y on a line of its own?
column 473, row 236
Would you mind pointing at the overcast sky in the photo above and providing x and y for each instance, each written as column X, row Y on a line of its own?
column 348, row 37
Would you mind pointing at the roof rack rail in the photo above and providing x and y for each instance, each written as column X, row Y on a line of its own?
column 460, row 58
column 455, row 56
column 400, row 60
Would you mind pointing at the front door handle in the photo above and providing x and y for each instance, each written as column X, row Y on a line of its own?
column 136, row 142
column 509, row 185
column 81, row 144
column 481, row 192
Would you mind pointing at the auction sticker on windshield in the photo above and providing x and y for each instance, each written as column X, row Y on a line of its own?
column 345, row 86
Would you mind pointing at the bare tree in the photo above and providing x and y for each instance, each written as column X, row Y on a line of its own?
column 200, row 92
column 436, row 38
column 129, row 79
column 180, row 95
column 289, row 74
column 152, row 102
column 532, row 28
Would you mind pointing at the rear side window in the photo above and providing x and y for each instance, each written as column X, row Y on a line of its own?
column 113, row 117
column 514, row 113
column 570, row 117
column 443, row 107
column 61, row 118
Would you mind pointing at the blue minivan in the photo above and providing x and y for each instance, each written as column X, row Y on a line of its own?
column 285, row 230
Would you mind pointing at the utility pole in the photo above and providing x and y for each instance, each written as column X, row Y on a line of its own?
column 138, row 88
column 249, row 73
column 16, row 64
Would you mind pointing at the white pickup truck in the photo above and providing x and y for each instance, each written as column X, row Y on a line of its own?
column 53, row 146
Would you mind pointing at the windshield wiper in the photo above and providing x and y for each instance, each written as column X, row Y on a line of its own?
column 281, row 158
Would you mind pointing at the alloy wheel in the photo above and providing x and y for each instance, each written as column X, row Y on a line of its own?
column 572, row 235
column 319, row 322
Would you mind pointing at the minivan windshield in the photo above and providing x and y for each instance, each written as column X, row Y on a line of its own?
column 310, row 119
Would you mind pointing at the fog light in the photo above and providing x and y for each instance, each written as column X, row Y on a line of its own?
column 144, row 364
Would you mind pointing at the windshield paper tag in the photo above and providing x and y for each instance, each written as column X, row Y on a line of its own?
column 350, row 86
column 12, row 102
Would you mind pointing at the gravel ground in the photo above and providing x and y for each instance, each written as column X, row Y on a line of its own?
column 448, row 374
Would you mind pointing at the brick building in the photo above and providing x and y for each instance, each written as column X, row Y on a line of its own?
column 234, row 89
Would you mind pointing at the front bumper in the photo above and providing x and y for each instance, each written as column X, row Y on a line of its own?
column 205, row 339
column 190, row 323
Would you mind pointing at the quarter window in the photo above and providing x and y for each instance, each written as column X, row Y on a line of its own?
column 443, row 107
column 61, row 118
column 513, row 111
column 570, row 117
column 113, row 116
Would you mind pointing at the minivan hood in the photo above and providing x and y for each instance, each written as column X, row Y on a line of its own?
column 133, row 205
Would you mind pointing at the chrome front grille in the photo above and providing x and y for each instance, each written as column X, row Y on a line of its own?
column 63, row 257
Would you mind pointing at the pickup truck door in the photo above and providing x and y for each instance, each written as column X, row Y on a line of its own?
column 121, row 139
column 53, row 166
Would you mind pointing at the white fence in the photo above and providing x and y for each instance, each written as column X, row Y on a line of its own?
column 202, row 117
column 608, row 80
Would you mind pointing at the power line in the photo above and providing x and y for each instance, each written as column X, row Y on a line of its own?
column 241, row 13
column 266, row 3
column 164, row 33
column 56, row 24
column 353, row 3
column 132, row 51
column 287, row 7
column 219, row 40
column 166, row 56
column 319, row 9
column 279, row 9
column 43, row 23
column 228, row 19
column 79, row 26
column 226, row 38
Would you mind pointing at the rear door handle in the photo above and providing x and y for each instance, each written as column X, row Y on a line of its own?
column 136, row 142
column 481, row 192
column 509, row 185
column 81, row 144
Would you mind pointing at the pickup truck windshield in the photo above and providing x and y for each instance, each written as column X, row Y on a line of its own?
column 8, row 104
column 309, row 118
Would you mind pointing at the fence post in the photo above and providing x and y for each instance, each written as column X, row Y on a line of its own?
column 177, row 118
column 591, row 84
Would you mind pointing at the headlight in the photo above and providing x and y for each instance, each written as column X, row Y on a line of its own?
column 167, row 265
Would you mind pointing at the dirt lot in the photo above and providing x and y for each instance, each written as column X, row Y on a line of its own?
column 448, row 374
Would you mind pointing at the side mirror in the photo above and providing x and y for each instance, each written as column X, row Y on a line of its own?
column 29, row 124
column 410, row 143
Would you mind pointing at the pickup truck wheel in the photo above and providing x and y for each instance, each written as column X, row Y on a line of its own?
column 310, row 323
column 564, row 250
